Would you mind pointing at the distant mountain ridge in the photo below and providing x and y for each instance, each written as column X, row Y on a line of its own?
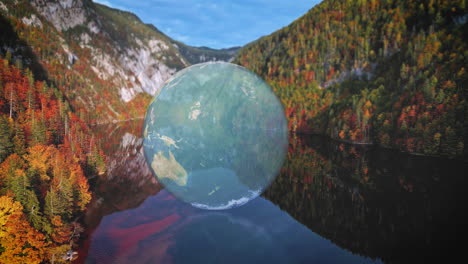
column 202, row 54
column 196, row 55
column 107, row 61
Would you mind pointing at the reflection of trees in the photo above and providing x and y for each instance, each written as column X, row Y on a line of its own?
column 128, row 181
column 377, row 203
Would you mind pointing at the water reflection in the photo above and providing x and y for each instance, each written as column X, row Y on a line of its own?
column 377, row 203
column 331, row 203
column 166, row 230
column 128, row 182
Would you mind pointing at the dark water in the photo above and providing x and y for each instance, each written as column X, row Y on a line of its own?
column 331, row 203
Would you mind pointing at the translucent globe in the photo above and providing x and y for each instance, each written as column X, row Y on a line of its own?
column 215, row 136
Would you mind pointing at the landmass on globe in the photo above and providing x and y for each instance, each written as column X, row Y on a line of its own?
column 169, row 168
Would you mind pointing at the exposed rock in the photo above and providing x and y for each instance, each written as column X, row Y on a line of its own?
column 3, row 7
column 31, row 21
column 63, row 14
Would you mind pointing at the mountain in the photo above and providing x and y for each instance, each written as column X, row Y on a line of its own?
column 196, row 55
column 373, row 71
column 63, row 65
column 106, row 61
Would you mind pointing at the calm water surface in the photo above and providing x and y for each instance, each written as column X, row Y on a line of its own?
column 331, row 203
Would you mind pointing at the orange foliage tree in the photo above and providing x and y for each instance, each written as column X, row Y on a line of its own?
column 19, row 242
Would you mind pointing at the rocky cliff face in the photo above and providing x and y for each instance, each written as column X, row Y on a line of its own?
column 63, row 14
column 106, row 61
column 134, row 63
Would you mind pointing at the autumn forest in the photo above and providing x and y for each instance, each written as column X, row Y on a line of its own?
column 387, row 73
column 46, row 151
column 391, row 73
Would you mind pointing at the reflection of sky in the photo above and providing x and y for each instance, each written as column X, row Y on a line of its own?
column 215, row 23
column 166, row 230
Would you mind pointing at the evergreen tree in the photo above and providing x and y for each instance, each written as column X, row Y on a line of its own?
column 19, row 141
column 59, row 201
column 6, row 144
column 38, row 130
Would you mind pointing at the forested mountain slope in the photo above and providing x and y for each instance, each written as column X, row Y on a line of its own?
column 106, row 61
column 392, row 72
column 63, row 65
column 51, row 86
column 46, row 154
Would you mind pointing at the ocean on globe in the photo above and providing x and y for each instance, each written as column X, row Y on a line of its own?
column 215, row 135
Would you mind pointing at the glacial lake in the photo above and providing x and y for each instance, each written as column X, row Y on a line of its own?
column 331, row 203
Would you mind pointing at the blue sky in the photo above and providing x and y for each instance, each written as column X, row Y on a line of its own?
column 215, row 23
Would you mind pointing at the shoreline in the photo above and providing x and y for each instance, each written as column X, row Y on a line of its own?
column 373, row 144
column 116, row 121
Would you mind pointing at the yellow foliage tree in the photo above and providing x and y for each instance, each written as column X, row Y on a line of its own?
column 38, row 158
column 19, row 242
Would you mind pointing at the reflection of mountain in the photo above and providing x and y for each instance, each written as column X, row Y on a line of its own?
column 166, row 230
column 120, row 237
column 128, row 181
column 374, row 203
column 377, row 203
